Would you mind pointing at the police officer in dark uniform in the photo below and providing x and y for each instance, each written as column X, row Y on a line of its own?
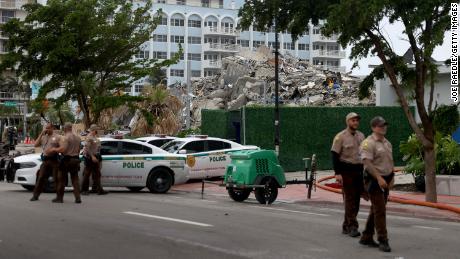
column 377, row 156
column 348, row 171
column 93, row 163
column 48, row 140
column 69, row 148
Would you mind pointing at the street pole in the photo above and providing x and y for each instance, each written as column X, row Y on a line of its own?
column 187, row 102
column 277, row 112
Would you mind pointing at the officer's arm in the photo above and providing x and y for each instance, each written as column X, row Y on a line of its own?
column 336, row 162
column 38, row 143
column 62, row 146
column 370, row 168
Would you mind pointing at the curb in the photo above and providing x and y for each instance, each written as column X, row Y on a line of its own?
column 441, row 206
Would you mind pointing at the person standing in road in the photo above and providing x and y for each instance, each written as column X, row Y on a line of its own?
column 47, row 140
column 348, row 171
column 93, row 161
column 377, row 156
column 69, row 147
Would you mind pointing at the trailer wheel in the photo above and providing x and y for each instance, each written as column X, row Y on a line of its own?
column 239, row 195
column 267, row 194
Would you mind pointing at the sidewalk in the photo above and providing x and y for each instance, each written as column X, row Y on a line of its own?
column 298, row 194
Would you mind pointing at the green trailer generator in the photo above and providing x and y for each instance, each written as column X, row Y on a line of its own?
column 260, row 171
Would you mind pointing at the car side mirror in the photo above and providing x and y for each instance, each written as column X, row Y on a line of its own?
column 182, row 152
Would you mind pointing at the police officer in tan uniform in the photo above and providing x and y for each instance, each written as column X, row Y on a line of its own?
column 69, row 147
column 348, row 171
column 377, row 156
column 47, row 140
column 93, row 161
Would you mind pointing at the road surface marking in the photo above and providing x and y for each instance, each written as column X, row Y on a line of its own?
column 296, row 211
column 168, row 219
column 425, row 227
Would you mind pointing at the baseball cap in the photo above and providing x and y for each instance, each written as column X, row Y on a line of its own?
column 352, row 115
column 378, row 122
column 93, row 127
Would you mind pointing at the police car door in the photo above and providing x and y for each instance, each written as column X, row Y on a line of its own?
column 110, row 153
column 218, row 156
column 132, row 170
column 197, row 158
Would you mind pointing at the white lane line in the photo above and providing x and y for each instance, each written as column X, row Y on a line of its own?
column 168, row 219
column 295, row 211
column 425, row 227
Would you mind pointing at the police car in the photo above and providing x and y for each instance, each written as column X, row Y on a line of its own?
column 157, row 140
column 206, row 157
column 125, row 163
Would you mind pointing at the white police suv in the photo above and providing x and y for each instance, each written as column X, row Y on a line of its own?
column 206, row 157
column 125, row 163
column 157, row 140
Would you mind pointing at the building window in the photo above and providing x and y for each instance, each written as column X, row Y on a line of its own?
column 177, row 22
column 196, row 73
column 177, row 39
column 138, row 88
column 161, row 1
column 210, row 40
column 210, row 24
column 194, row 56
column 177, row 72
column 271, row 44
column 306, row 32
column 7, row 15
column 221, row 3
column 194, row 23
column 243, row 43
column 160, row 37
column 127, row 89
column 205, row 3
column 316, row 31
column 303, row 46
column 257, row 43
column 288, row 45
column 142, row 54
column 181, row 57
column 180, row 2
column 164, row 20
column 194, row 40
column 160, row 55
column 209, row 73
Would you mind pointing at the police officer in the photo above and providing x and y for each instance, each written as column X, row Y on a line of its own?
column 348, row 171
column 69, row 147
column 48, row 140
column 377, row 156
column 92, row 162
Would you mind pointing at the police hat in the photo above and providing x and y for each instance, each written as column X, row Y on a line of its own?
column 378, row 121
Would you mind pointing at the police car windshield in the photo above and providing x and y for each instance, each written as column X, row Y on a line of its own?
column 172, row 146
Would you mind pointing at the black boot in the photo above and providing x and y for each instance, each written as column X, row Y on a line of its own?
column 57, row 201
column 368, row 242
column 384, row 246
column 354, row 233
column 34, row 198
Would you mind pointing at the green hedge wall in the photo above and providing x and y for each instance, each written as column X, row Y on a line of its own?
column 215, row 123
column 307, row 130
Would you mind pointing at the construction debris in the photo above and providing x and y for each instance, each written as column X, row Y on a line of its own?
column 250, row 80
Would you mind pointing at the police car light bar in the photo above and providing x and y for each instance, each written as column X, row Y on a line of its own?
column 197, row 136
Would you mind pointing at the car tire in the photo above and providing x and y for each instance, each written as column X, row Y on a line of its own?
column 159, row 181
column 239, row 195
column 28, row 187
column 135, row 189
column 268, row 194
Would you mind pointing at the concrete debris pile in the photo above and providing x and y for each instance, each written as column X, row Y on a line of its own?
column 251, row 81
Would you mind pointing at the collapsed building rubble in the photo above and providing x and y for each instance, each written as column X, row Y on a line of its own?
column 250, row 80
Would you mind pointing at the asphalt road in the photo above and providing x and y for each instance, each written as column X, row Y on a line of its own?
column 182, row 225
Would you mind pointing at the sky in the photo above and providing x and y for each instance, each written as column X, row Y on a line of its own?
column 393, row 32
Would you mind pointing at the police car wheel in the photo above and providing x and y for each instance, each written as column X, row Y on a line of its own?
column 266, row 195
column 28, row 187
column 135, row 189
column 159, row 181
column 239, row 195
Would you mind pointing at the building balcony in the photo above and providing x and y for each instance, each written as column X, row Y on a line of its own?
column 320, row 53
column 341, row 69
column 217, row 47
column 220, row 31
column 13, row 96
column 321, row 38
column 14, row 4
column 217, row 64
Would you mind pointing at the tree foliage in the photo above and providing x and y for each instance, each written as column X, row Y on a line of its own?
column 85, row 47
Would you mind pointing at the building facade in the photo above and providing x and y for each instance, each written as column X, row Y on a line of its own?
column 207, row 31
